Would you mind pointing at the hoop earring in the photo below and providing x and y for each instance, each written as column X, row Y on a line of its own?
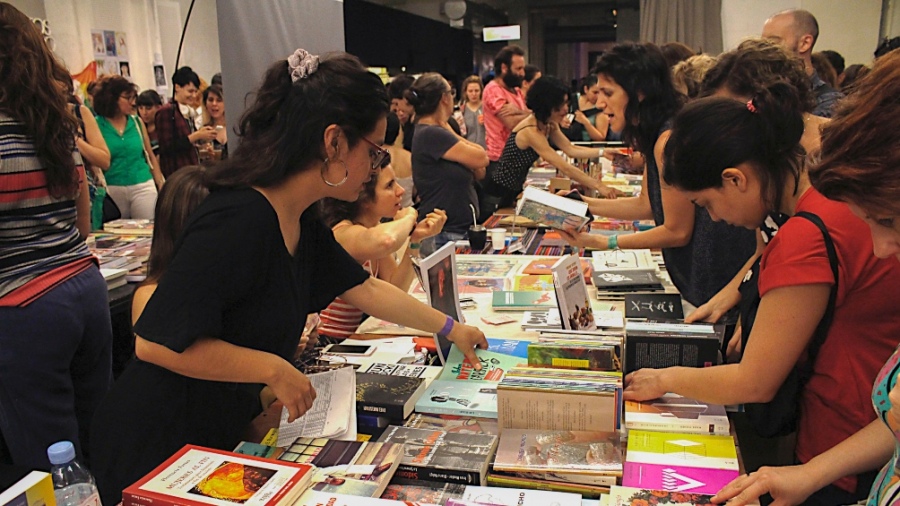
column 342, row 181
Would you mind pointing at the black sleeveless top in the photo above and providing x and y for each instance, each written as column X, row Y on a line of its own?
column 714, row 254
column 514, row 164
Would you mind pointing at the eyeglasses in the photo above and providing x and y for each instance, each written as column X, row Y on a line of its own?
column 128, row 97
column 381, row 158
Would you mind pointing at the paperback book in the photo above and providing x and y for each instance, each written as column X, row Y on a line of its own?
column 520, row 497
column 659, row 345
column 574, row 355
column 679, row 462
column 630, row 496
column 426, row 492
column 553, row 210
column 493, row 366
column 523, row 300
column 654, row 306
column 434, row 455
column 33, row 489
column 674, row 413
column 533, row 283
column 463, row 398
column 204, row 476
column 453, row 423
column 623, row 261
column 541, row 320
column 316, row 498
column 571, row 294
column 590, row 457
column 517, row 480
column 622, row 282
column 390, row 396
column 437, row 274
column 347, row 467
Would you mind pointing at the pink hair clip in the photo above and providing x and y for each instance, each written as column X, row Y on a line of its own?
column 750, row 106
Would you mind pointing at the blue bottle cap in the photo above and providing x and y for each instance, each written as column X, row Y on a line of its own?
column 61, row 452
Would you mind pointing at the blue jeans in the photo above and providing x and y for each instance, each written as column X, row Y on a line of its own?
column 55, row 367
column 433, row 244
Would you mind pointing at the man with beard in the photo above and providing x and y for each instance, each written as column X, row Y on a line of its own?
column 504, row 104
column 797, row 30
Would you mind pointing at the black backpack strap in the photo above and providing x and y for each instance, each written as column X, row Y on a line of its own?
column 825, row 323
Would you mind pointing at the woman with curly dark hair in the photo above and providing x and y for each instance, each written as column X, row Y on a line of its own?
column 548, row 100
column 56, row 358
column 252, row 262
column 701, row 256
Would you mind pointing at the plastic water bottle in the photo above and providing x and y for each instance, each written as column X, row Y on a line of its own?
column 73, row 484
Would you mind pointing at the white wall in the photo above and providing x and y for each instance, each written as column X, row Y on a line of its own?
column 850, row 28
column 152, row 27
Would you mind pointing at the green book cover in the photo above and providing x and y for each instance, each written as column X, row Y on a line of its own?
column 493, row 366
column 523, row 300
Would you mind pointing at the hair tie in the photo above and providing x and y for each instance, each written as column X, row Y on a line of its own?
column 413, row 93
column 751, row 107
column 302, row 64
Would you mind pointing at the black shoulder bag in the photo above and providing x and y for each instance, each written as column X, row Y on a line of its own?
column 779, row 416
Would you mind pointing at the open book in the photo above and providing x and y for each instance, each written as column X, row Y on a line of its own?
column 553, row 210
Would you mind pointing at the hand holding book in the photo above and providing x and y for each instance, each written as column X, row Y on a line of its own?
column 293, row 389
column 467, row 338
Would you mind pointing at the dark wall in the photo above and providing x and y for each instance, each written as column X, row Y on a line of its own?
column 385, row 37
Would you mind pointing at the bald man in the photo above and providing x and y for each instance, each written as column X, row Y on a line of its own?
column 797, row 30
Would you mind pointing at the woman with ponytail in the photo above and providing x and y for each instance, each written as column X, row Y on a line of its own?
column 445, row 165
column 252, row 262
column 743, row 163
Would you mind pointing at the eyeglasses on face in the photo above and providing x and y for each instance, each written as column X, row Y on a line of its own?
column 381, row 158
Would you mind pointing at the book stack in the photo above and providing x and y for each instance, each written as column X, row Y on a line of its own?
column 618, row 272
column 654, row 306
column 559, row 399
column 122, row 258
column 679, row 462
column 570, row 457
column 572, row 354
column 385, row 399
column 129, row 227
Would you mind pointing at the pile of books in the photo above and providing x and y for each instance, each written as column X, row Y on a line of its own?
column 122, row 258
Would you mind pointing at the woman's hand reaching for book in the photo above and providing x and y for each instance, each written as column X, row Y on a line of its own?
column 645, row 384
column 788, row 485
column 467, row 338
column 293, row 389
column 430, row 226
column 583, row 239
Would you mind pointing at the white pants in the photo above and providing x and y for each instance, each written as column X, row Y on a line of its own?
column 136, row 201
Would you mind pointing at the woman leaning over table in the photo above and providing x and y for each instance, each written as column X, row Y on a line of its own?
column 548, row 100
column 55, row 334
column 445, row 166
column 250, row 265
column 742, row 161
column 856, row 150
column 133, row 176
column 383, row 249
column 701, row 256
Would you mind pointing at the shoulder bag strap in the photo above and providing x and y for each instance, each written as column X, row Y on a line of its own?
column 825, row 323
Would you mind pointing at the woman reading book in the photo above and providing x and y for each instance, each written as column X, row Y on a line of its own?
column 251, row 263
column 701, row 256
column 857, row 149
column 743, row 162
column 384, row 249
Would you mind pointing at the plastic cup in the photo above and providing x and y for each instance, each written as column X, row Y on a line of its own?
column 498, row 237
column 477, row 237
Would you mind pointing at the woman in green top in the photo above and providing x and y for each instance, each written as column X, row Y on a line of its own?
column 133, row 176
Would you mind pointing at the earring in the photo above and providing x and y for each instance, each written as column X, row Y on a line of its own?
column 329, row 183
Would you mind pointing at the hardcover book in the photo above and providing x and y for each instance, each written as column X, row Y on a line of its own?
column 493, row 366
column 553, row 210
column 464, row 398
column 198, row 476
column 654, row 306
column 555, row 455
column 522, row 301
column 434, row 455
column 390, row 396
column 453, row 423
column 571, row 294
column 679, row 462
column 630, row 496
column 520, row 497
column 674, row 413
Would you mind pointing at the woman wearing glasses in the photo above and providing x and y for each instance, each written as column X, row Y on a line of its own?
column 445, row 165
column 132, row 178
column 252, row 262
column 384, row 249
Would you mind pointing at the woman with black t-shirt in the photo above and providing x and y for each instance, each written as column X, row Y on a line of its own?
column 251, row 264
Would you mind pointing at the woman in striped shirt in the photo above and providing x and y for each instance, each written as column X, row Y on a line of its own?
column 55, row 332
column 383, row 249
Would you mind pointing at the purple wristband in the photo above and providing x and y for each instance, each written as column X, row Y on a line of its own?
column 448, row 326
